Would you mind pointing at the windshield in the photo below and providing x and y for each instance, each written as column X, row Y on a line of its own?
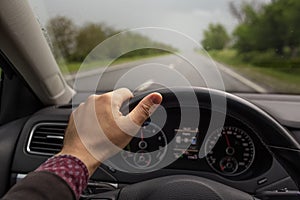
column 238, row 46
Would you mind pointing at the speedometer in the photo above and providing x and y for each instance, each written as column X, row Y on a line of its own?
column 147, row 149
column 230, row 151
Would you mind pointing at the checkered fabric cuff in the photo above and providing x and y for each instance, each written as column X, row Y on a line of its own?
column 70, row 169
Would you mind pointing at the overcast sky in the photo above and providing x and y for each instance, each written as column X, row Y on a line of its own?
column 190, row 17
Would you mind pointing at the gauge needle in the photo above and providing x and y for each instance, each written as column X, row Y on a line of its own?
column 227, row 140
column 222, row 167
column 142, row 135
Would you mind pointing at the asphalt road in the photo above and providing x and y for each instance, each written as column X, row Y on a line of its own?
column 170, row 70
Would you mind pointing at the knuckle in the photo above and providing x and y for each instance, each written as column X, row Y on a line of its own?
column 145, row 109
column 91, row 97
column 104, row 98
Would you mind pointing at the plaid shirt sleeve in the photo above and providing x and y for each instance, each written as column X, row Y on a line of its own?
column 70, row 169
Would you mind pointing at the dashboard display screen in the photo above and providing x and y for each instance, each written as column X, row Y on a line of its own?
column 186, row 143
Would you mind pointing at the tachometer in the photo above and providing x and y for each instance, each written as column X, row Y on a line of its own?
column 147, row 149
column 230, row 151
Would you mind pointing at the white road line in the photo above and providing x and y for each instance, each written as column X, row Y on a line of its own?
column 145, row 85
column 171, row 66
column 240, row 78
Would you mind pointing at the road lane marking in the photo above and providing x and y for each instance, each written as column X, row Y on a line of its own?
column 145, row 85
column 240, row 78
column 171, row 66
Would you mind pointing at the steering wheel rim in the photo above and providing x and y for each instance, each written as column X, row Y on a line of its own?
column 275, row 137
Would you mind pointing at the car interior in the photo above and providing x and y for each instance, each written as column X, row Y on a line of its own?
column 211, row 143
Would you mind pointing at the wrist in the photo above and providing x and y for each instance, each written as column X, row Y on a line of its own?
column 90, row 162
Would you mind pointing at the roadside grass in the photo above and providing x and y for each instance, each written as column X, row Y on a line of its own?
column 73, row 67
column 274, row 79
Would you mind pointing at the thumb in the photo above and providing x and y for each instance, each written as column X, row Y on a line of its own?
column 145, row 108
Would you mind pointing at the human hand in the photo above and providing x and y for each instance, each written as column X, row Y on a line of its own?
column 97, row 129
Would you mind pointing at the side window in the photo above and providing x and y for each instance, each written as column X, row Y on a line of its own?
column 16, row 98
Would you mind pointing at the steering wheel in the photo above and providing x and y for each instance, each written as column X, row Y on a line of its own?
column 275, row 137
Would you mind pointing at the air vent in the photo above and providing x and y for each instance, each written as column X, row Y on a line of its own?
column 46, row 138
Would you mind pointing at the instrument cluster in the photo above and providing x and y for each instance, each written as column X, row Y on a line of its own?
column 230, row 150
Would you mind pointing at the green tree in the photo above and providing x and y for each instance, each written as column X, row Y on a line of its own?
column 74, row 43
column 275, row 26
column 246, row 34
column 62, row 33
column 215, row 38
column 88, row 37
column 287, row 16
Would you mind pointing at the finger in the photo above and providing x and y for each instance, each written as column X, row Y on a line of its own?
column 145, row 108
column 119, row 96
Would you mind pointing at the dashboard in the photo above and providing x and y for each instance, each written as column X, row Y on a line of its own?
column 232, row 151
column 231, row 154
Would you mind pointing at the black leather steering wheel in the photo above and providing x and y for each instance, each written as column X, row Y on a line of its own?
column 275, row 137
